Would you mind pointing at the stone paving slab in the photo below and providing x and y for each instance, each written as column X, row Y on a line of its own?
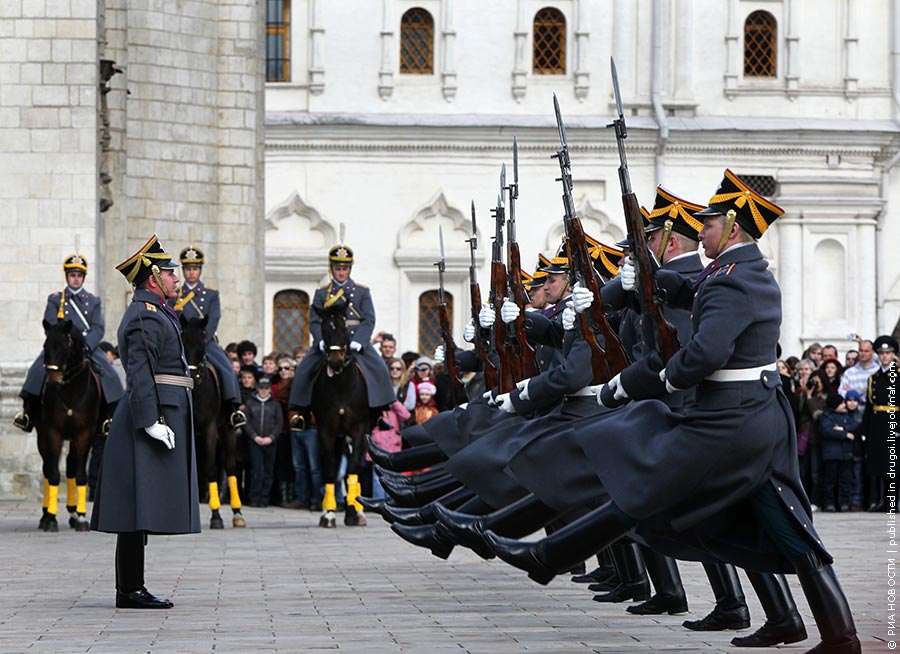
column 285, row 585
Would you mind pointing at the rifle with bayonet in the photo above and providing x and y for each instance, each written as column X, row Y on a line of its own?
column 456, row 385
column 515, row 334
column 605, row 362
column 648, row 297
column 499, row 290
column 482, row 344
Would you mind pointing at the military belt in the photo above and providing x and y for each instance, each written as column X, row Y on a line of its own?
column 583, row 392
column 885, row 408
column 741, row 374
column 174, row 380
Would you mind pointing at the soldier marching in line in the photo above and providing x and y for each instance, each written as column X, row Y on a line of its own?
column 196, row 300
column 148, row 478
column 85, row 312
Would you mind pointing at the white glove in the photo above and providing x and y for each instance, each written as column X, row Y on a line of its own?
column 669, row 387
column 322, row 346
column 523, row 389
column 582, row 298
column 486, row 316
column 615, row 385
column 489, row 396
column 355, row 346
column 568, row 318
column 439, row 354
column 509, row 311
column 469, row 331
column 163, row 433
column 504, row 403
column 627, row 274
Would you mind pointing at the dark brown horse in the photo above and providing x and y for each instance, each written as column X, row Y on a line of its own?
column 212, row 435
column 341, row 408
column 70, row 410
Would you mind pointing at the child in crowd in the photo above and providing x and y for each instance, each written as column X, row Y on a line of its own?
column 837, row 430
column 426, row 408
column 264, row 423
column 248, row 383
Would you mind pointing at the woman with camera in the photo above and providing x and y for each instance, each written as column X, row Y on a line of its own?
column 812, row 394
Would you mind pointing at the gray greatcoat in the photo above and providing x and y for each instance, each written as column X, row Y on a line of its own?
column 86, row 313
column 144, row 486
column 360, row 316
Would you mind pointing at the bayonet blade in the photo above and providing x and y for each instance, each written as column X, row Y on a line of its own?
column 502, row 177
column 559, row 123
column 441, row 238
column 615, row 80
column 516, row 162
column 474, row 238
column 500, row 200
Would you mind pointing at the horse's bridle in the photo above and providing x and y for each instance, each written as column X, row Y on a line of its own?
column 65, row 374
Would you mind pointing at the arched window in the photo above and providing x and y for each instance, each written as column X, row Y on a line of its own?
column 278, row 27
column 760, row 45
column 549, row 54
column 417, row 42
column 291, row 320
column 430, row 320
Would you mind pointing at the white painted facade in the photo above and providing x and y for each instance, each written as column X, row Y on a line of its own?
column 350, row 139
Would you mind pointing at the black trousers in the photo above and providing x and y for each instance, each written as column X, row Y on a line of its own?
column 838, row 477
column 130, row 561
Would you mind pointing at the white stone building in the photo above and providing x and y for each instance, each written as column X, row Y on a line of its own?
column 392, row 115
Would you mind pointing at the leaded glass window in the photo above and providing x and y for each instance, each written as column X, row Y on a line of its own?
column 760, row 45
column 430, row 320
column 549, row 35
column 417, row 42
column 291, row 320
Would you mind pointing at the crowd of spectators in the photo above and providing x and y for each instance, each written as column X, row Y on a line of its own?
column 828, row 400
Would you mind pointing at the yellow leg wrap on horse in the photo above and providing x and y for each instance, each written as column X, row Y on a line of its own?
column 214, row 502
column 353, row 490
column 52, row 499
column 81, row 506
column 329, row 503
column 70, row 491
column 233, row 493
column 46, row 492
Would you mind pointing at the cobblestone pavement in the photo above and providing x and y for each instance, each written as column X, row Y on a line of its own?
column 285, row 585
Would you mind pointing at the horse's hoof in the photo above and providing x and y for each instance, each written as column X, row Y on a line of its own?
column 328, row 523
column 52, row 525
column 83, row 525
column 73, row 522
column 216, row 522
column 361, row 519
column 351, row 518
column 238, row 521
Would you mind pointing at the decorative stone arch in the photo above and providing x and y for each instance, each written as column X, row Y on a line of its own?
column 417, row 252
column 596, row 223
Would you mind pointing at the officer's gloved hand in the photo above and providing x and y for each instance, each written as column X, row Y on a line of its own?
column 489, row 396
column 628, row 274
column 504, row 403
column 321, row 346
column 469, row 331
column 486, row 316
column 523, row 389
column 509, row 311
column 669, row 387
column 162, row 432
column 568, row 318
column 606, row 396
column 439, row 354
column 355, row 346
column 582, row 298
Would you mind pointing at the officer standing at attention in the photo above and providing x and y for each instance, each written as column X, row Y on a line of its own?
column 148, row 478
column 85, row 312
column 196, row 300
column 881, row 411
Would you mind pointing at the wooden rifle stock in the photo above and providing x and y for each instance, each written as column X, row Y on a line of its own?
column 510, row 371
column 666, row 336
column 522, row 350
column 458, row 388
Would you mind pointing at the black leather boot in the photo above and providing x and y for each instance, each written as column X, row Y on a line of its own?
column 828, row 605
column 31, row 410
column 408, row 483
column 669, row 594
column 564, row 549
column 516, row 520
column 601, row 573
column 405, row 460
column 400, row 478
column 783, row 622
column 424, row 536
column 421, row 494
column 633, row 582
column 425, row 515
column 130, row 590
column 731, row 610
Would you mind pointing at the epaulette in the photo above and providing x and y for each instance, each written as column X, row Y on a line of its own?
column 724, row 270
column 149, row 306
column 323, row 288
column 208, row 288
column 361, row 286
column 57, row 294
